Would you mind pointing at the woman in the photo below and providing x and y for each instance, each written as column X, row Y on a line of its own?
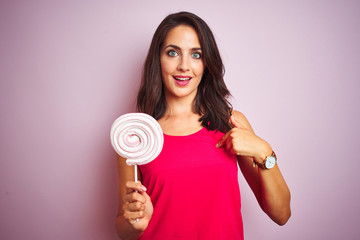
column 191, row 190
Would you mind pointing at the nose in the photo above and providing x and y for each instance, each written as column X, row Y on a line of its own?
column 184, row 64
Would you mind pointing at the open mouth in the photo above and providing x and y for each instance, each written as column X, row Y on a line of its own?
column 182, row 80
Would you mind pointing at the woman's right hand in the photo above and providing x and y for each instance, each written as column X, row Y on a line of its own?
column 137, row 205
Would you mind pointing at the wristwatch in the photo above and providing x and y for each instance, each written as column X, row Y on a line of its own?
column 268, row 163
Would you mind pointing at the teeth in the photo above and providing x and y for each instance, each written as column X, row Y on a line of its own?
column 182, row 79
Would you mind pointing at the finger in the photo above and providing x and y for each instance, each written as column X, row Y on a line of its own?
column 146, row 196
column 132, row 216
column 135, row 206
column 134, row 197
column 134, row 186
column 234, row 122
column 222, row 140
column 229, row 145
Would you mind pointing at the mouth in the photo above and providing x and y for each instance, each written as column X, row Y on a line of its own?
column 182, row 80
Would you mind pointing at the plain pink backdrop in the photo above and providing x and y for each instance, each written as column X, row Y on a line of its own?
column 69, row 68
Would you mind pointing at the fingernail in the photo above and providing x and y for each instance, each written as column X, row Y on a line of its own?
column 143, row 188
column 217, row 145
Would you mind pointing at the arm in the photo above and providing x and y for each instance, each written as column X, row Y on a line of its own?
column 268, row 185
column 132, row 205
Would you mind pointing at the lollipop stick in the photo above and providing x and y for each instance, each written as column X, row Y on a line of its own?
column 136, row 173
column 136, row 178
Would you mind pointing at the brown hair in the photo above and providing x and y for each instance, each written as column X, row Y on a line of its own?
column 211, row 99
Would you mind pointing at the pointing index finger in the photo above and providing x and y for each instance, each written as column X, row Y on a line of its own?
column 222, row 140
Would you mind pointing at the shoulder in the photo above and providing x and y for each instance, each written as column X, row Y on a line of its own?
column 241, row 119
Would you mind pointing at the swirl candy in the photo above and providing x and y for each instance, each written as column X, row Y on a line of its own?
column 137, row 137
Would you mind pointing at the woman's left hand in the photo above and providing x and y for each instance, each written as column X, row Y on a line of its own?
column 268, row 186
column 242, row 141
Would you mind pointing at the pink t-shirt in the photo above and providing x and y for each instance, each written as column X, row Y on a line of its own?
column 194, row 189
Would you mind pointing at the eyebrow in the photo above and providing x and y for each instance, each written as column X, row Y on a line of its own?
column 178, row 48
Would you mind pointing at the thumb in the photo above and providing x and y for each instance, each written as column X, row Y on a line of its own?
column 234, row 122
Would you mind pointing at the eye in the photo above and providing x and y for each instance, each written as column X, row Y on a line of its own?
column 172, row 53
column 196, row 55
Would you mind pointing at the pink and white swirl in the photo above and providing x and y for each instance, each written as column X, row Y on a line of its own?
column 137, row 137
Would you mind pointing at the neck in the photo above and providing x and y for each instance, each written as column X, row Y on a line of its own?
column 180, row 117
column 179, row 106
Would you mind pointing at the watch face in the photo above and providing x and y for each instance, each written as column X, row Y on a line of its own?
column 270, row 162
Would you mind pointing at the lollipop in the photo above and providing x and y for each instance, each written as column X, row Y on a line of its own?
column 137, row 137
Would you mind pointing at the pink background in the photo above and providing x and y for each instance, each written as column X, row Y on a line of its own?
column 69, row 68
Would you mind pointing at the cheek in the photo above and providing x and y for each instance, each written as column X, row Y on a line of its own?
column 199, row 69
column 166, row 67
column 165, row 71
column 162, row 65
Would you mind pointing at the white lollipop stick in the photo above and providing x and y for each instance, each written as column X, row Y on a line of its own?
column 137, row 137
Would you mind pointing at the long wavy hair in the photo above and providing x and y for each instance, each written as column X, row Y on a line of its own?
column 211, row 101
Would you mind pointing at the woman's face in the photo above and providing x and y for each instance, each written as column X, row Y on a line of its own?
column 181, row 62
